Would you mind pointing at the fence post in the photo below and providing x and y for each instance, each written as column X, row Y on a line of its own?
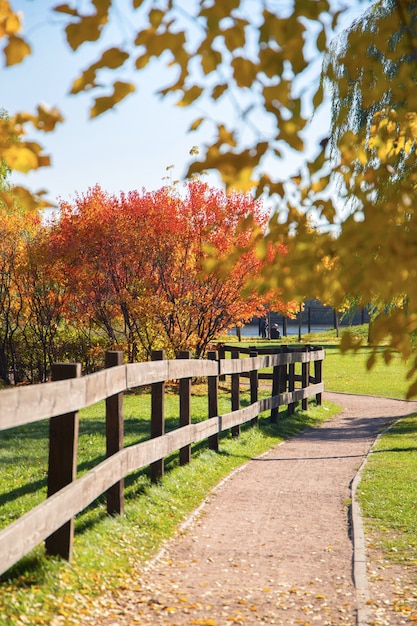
column 157, row 417
column 279, row 382
column 283, row 372
column 62, row 464
column 276, row 379
column 185, row 409
column 305, row 378
column 318, row 376
column 114, row 435
column 213, row 401
column 235, row 394
column 222, row 355
column 254, row 383
column 291, row 386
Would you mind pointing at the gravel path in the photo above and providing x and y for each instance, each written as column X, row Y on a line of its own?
column 273, row 543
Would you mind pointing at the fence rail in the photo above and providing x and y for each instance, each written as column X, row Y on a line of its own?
column 60, row 400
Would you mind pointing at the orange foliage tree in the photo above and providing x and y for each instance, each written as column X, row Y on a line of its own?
column 44, row 295
column 11, row 302
column 17, row 228
column 134, row 264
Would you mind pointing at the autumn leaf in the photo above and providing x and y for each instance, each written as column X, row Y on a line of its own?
column 104, row 103
column 21, row 158
column 190, row 95
column 16, row 50
column 87, row 28
column 197, row 123
column 65, row 8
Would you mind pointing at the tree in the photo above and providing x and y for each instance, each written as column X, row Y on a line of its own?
column 99, row 260
column 134, row 264
column 44, row 296
column 193, row 307
column 371, row 70
column 15, row 228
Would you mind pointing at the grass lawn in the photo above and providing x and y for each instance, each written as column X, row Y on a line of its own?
column 38, row 588
column 388, row 492
column 347, row 373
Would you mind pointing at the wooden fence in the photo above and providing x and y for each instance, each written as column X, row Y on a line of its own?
column 60, row 400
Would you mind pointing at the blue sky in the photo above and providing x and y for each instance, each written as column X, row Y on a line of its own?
column 125, row 149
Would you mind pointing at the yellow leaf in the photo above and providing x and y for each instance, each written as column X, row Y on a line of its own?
column 320, row 184
column 86, row 80
column 210, row 59
column 322, row 40
column 271, row 62
column 44, row 161
column 261, row 250
column 289, row 130
column 155, row 17
column 226, row 136
column 65, row 8
column 412, row 391
column 218, row 91
column 25, row 199
column 196, row 123
column 87, row 29
column 20, row 158
column 112, row 58
column 370, row 362
column 12, row 23
column 16, row 50
column 142, row 61
column 104, row 103
column 234, row 37
column 243, row 180
column 244, row 71
column 190, row 96
column 318, row 96
column 47, row 118
column 280, row 92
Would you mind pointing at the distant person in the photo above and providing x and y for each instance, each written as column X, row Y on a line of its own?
column 275, row 334
column 264, row 328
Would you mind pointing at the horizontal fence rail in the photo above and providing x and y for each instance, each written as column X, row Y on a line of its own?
column 60, row 400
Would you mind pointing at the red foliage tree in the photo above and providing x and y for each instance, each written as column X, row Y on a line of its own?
column 135, row 264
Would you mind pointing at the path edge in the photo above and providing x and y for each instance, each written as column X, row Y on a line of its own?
column 360, row 577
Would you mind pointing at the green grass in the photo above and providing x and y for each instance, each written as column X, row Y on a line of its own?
column 347, row 373
column 107, row 549
column 388, row 492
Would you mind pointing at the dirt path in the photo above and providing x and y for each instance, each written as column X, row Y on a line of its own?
column 272, row 543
